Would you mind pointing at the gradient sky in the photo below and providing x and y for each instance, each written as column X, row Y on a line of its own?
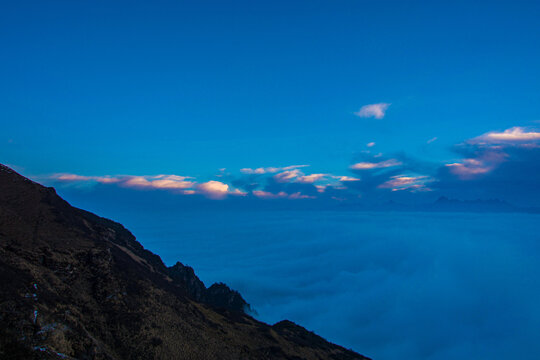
column 165, row 115
column 101, row 88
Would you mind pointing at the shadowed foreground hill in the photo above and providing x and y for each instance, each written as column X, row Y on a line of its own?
column 74, row 285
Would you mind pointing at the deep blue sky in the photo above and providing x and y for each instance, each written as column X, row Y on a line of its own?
column 165, row 115
column 186, row 88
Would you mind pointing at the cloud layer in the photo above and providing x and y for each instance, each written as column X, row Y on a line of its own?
column 483, row 167
column 380, row 283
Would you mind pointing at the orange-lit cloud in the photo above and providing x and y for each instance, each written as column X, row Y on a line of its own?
column 170, row 182
column 158, row 182
column 217, row 190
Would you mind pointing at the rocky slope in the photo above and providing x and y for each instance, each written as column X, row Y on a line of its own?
column 78, row 286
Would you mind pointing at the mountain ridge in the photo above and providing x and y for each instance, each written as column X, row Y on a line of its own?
column 79, row 286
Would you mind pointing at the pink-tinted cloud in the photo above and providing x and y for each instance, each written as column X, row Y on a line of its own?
column 375, row 165
column 411, row 183
column 288, row 175
column 470, row 168
column 376, row 111
column 170, row 182
column 158, row 182
column 491, row 149
column 280, row 195
column 82, row 178
column 370, row 144
column 214, row 189
column 268, row 195
column 515, row 134
column 298, row 195
column 347, row 178
column 310, row 179
column 270, row 170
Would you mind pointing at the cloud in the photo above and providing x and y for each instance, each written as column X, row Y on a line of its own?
column 75, row 177
column 370, row 144
column 287, row 176
column 268, row 195
column 360, row 279
column 496, row 165
column 432, row 140
column 412, row 183
column 280, row 195
column 270, row 170
column 217, row 190
column 470, row 168
column 515, row 134
column 299, row 195
column 170, row 182
column 310, row 179
column 347, row 178
column 375, row 165
column 373, row 110
column 164, row 182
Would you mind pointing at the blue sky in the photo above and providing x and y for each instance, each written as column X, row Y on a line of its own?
column 188, row 88
column 165, row 115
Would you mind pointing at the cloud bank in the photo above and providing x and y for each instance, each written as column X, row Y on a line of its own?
column 495, row 165
column 389, row 285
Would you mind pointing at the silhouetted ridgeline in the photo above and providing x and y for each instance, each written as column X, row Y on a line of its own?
column 78, row 286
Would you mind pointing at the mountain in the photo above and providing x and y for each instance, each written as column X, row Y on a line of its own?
column 78, row 286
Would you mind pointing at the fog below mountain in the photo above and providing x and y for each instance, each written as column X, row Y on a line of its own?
column 390, row 285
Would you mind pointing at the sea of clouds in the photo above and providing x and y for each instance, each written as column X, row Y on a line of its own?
column 388, row 285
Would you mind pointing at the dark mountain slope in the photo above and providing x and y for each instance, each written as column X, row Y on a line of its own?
column 74, row 285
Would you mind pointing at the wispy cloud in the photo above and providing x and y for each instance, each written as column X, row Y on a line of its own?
column 270, row 170
column 402, row 182
column 370, row 144
column 492, row 149
column 288, row 175
column 375, row 165
column 515, row 134
column 75, row 177
column 280, row 195
column 347, row 178
column 268, row 195
column 155, row 181
column 432, row 140
column 376, row 111
column 484, row 163
column 159, row 182
column 310, row 179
